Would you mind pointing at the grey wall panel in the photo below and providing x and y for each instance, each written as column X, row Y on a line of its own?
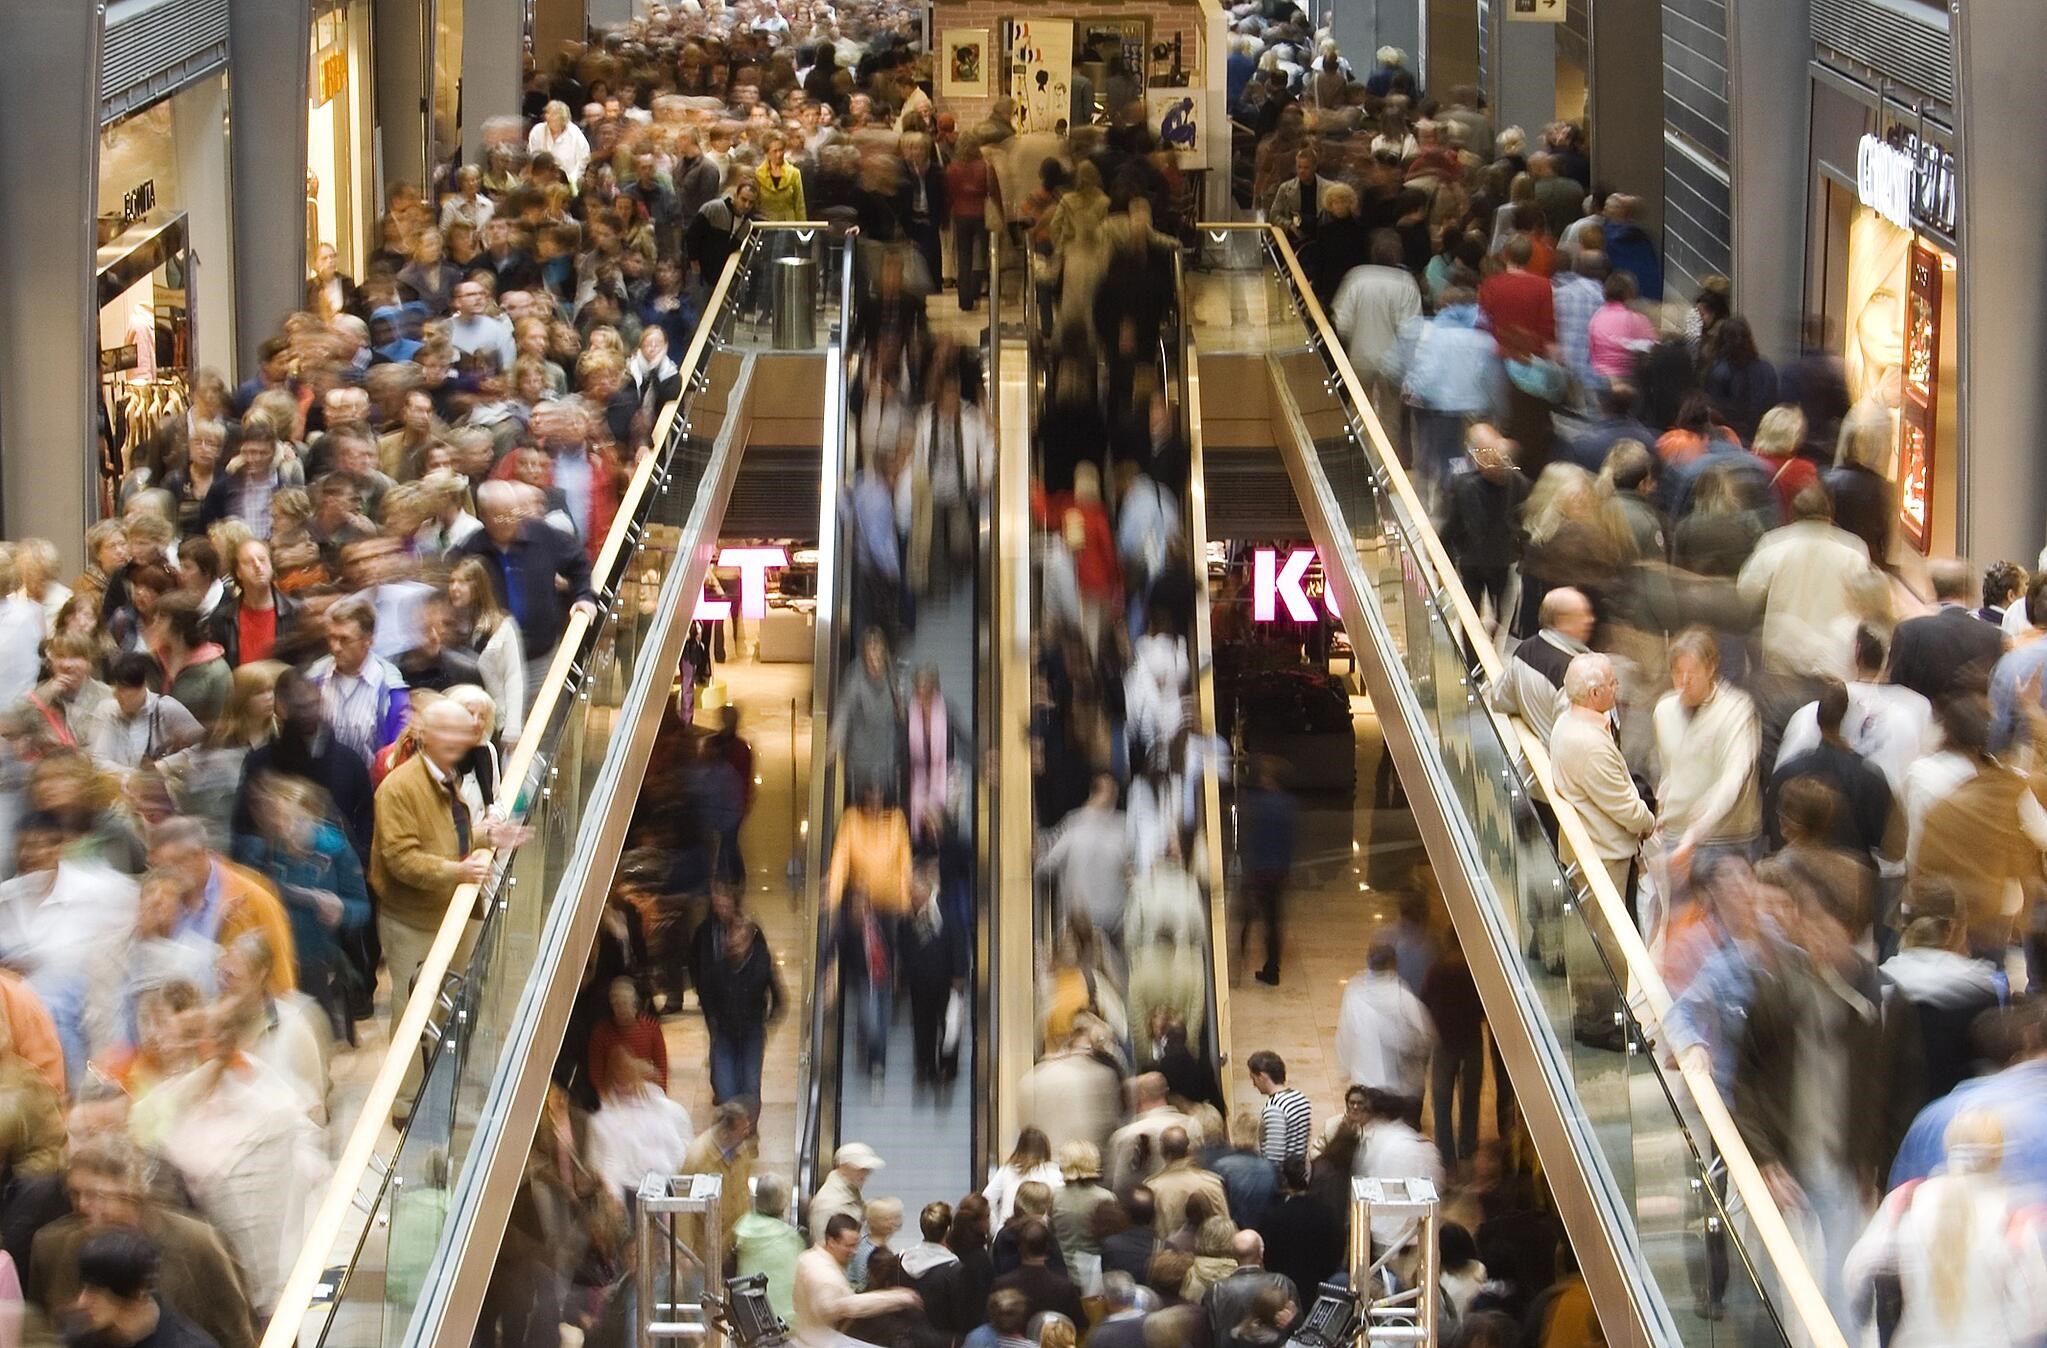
column 1770, row 50
column 2002, row 305
column 272, row 45
column 49, row 171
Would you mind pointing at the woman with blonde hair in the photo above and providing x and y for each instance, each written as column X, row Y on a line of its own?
column 1080, row 247
column 1778, row 436
column 1575, row 537
column 206, row 778
column 484, row 626
column 1971, row 1269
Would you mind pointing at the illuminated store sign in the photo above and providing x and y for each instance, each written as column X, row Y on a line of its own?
column 1276, row 584
column 753, row 565
column 1906, row 180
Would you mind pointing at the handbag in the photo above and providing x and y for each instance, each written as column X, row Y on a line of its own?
column 955, row 1013
column 1540, row 377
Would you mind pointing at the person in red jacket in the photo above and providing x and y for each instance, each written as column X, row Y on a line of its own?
column 628, row 1049
column 1080, row 516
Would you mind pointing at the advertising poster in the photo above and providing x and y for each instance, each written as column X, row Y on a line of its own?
column 1176, row 121
column 1040, row 71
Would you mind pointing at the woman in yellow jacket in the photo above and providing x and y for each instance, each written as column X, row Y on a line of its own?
column 781, row 184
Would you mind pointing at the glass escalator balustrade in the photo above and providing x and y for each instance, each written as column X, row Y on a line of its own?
column 860, row 1081
column 391, row 1210
column 1664, row 1145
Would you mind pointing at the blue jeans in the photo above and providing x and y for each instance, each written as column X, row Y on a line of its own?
column 736, row 1053
column 876, row 1009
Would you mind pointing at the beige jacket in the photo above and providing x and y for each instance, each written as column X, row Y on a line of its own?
column 1591, row 777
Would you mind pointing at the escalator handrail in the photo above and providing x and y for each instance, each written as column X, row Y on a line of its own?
column 1794, row 1276
column 822, row 1014
column 986, row 1081
column 1201, row 670
column 360, row 1149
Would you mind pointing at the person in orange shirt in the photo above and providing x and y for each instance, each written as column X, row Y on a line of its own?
column 221, row 900
column 872, row 854
column 34, row 1033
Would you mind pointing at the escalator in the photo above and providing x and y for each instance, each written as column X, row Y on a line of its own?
column 1649, row 1174
column 1185, row 780
column 932, row 1137
column 405, row 1242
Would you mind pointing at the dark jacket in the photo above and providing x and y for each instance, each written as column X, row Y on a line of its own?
column 1878, row 1057
column 450, row 668
column 1045, row 1289
column 1481, row 533
column 1944, row 652
column 734, row 998
column 223, row 624
column 1250, row 1183
column 526, row 576
column 1130, row 1251
column 1304, row 1240
column 335, row 770
column 1864, row 505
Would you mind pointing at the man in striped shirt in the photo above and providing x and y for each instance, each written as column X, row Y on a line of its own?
column 1283, row 1134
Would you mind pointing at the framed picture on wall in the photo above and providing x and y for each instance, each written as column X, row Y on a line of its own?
column 1130, row 37
column 963, row 69
column 1040, row 71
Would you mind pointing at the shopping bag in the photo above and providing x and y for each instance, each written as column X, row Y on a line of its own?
column 955, row 1014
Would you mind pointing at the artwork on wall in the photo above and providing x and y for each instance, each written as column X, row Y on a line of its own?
column 1040, row 71
column 1176, row 121
column 964, row 67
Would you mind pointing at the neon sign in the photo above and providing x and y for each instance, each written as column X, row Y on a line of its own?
column 1276, row 584
column 753, row 565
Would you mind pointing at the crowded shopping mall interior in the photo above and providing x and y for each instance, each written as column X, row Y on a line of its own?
column 1144, row 673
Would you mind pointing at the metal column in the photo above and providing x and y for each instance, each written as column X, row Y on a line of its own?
column 270, row 46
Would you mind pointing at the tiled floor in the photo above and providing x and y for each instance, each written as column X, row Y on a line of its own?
column 774, row 709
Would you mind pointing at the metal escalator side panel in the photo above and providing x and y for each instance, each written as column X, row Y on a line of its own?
column 481, row 1203
column 1013, row 1033
column 819, row 1067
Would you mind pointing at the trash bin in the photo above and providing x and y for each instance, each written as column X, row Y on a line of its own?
column 795, row 304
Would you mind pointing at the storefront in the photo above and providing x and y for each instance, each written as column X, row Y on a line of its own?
column 340, row 117
column 1881, row 283
column 163, row 269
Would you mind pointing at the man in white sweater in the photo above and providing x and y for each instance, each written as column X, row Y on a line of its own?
column 1707, row 743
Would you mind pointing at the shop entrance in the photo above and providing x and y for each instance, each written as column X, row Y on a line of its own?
column 1885, row 299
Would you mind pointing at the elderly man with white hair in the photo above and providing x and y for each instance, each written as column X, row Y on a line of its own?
column 556, row 135
column 1590, row 775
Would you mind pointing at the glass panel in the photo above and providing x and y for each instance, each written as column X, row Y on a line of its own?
column 405, row 1207
column 1652, row 1154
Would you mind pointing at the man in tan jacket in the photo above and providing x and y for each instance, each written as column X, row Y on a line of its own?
column 1178, row 1180
column 427, row 848
column 1589, row 772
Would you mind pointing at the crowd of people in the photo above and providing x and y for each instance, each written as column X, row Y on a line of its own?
column 1813, row 787
column 251, row 752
